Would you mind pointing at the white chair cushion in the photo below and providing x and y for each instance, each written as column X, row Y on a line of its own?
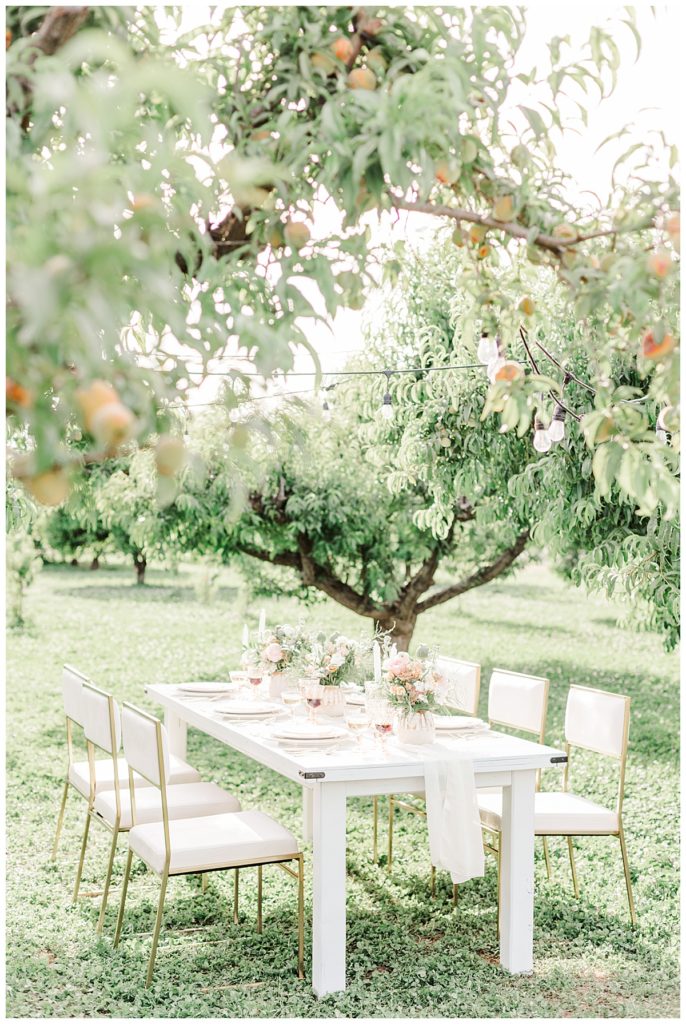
column 555, row 814
column 104, row 775
column 596, row 720
column 184, row 801
column 223, row 840
column 463, row 678
column 140, row 744
column 517, row 700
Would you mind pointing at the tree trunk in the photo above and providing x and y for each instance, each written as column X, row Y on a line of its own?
column 401, row 630
column 95, row 564
column 140, row 563
column 74, row 562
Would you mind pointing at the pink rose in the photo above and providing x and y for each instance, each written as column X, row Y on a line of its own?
column 274, row 652
column 396, row 665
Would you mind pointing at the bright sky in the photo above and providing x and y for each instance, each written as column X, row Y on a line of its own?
column 647, row 95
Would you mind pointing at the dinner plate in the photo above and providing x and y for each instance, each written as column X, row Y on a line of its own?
column 248, row 707
column 451, row 723
column 206, row 687
column 355, row 698
column 306, row 732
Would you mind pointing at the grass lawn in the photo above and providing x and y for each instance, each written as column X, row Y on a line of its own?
column 408, row 955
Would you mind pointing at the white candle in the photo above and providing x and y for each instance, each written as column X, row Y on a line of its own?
column 377, row 662
column 263, row 623
column 246, row 635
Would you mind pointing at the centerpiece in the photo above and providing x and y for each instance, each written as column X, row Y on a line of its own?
column 412, row 686
column 274, row 653
column 327, row 664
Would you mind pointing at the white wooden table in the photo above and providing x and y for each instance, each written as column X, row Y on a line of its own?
column 329, row 778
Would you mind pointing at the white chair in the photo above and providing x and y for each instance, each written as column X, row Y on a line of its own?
column 112, row 808
column 515, row 701
column 597, row 721
column 78, row 773
column 215, row 843
column 463, row 688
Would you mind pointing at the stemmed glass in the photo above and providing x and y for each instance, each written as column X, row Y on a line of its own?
column 254, row 678
column 313, row 696
column 380, row 713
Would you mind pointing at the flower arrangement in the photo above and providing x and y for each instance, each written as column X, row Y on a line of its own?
column 330, row 660
column 277, row 650
column 413, row 684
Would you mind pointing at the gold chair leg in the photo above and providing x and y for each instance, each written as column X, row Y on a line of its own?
column 391, row 822
column 156, row 933
column 546, row 854
column 108, row 879
column 454, row 894
column 60, row 821
column 122, row 902
column 433, row 881
column 575, row 882
column 498, row 867
column 259, row 899
column 203, row 879
column 301, row 918
column 375, row 844
column 627, row 877
column 84, row 844
column 235, row 897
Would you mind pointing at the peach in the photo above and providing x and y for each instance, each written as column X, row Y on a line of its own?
column 323, row 63
column 296, row 234
column 446, row 172
column 342, row 49
column 91, row 399
column 458, row 238
column 361, row 78
column 49, row 488
column 565, row 232
column 659, row 263
column 655, row 350
column 527, row 306
column 477, row 233
column 509, row 370
column 113, row 425
column 483, row 251
column 503, row 208
column 16, row 394
column 376, row 60
column 144, row 201
column 170, row 455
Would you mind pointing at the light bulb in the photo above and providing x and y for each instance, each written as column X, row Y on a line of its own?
column 487, row 350
column 542, row 442
column 662, row 436
column 387, row 410
column 556, row 430
column 326, row 410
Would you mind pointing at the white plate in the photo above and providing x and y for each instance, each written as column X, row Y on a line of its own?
column 451, row 723
column 249, row 707
column 206, row 687
column 308, row 733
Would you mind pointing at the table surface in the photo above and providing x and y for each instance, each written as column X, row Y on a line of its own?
column 490, row 752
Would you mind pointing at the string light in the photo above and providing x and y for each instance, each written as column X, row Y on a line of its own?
column 387, row 410
column 556, row 430
column 661, row 429
column 487, row 350
column 542, row 442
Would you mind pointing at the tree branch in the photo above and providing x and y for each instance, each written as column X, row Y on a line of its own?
column 56, row 28
column 478, row 578
column 316, row 575
column 549, row 242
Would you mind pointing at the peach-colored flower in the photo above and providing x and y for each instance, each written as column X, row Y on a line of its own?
column 274, row 652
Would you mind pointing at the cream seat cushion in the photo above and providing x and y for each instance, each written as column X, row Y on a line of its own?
column 104, row 774
column 221, row 840
column 555, row 814
column 183, row 801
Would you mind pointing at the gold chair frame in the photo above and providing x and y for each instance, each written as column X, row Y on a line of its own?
column 416, row 808
column 70, row 722
column 281, row 862
column 619, row 833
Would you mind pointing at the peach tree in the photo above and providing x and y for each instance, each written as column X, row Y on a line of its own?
column 165, row 197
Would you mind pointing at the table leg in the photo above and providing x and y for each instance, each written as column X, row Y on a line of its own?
column 308, row 801
column 328, row 902
column 176, row 731
column 517, row 874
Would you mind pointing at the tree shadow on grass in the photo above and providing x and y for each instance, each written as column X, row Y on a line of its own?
column 149, row 592
column 518, row 627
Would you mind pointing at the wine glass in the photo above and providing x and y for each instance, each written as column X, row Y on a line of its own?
column 313, row 697
column 380, row 713
column 254, row 678
column 291, row 698
column 357, row 722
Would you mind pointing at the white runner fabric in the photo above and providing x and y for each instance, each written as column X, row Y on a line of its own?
column 452, row 814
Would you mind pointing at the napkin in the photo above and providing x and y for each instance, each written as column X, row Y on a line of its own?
column 452, row 814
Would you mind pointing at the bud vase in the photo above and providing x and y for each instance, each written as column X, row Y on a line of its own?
column 333, row 701
column 278, row 682
column 415, row 727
